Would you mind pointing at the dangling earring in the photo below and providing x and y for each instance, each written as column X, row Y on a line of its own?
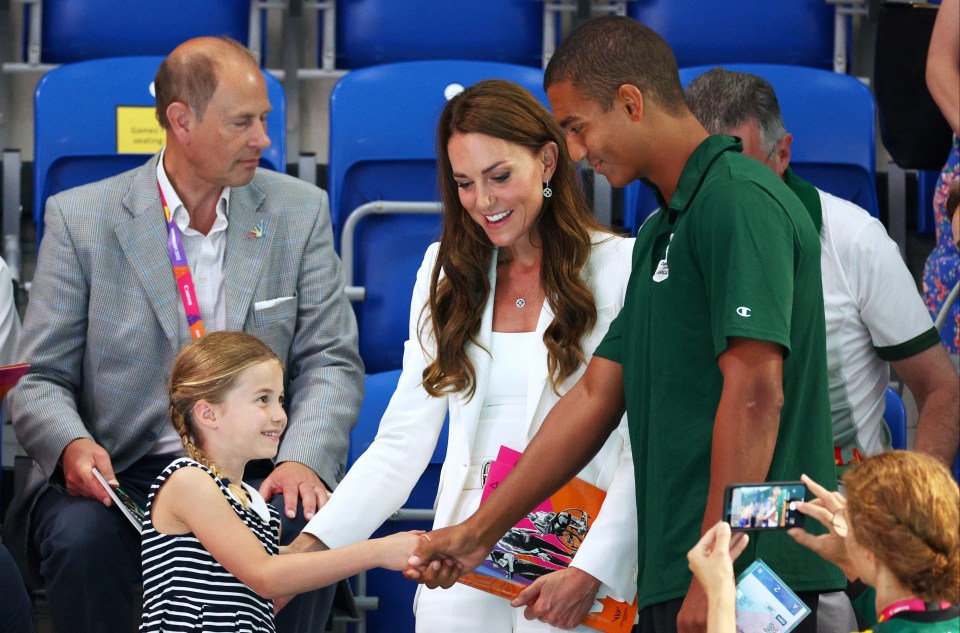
column 547, row 191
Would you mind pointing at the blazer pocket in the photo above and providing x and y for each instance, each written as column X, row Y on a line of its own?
column 273, row 322
column 271, row 303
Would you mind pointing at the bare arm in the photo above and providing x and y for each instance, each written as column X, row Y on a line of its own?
column 934, row 383
column 711, row 561
column 189, row 501
column 570, row 436
column 744, row 436
column 943, row 62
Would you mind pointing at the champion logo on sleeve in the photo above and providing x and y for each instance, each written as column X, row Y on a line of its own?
column 744, row 311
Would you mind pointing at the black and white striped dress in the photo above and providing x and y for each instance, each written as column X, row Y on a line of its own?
column 186, row 589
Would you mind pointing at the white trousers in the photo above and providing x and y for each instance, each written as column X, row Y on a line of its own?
column 467, row 610
column 835, row 614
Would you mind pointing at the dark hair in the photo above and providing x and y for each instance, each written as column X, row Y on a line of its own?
column 460, row 286
column 723, row 100
column 953, row 200
column 904, row 507
column 207, row 369
column 608, row 52
column 190, row 76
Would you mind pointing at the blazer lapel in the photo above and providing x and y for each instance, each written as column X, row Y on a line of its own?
column 250, row 234
column 480, row 357
column 537, row 378
column 143, row 239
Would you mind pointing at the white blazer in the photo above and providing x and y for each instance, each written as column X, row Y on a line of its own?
column 380, row 481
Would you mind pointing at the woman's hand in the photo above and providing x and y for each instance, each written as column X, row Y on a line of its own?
column 711, row 559
column 829, row 508
column 710, row 602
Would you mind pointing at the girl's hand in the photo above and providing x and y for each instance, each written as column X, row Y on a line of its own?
column 396, row 549
column 711, row 559
column 829, row 508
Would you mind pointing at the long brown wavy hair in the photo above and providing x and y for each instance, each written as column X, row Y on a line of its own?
column 565, row 226
column 207, row 369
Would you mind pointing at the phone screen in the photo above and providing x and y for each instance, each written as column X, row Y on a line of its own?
column 764, row 506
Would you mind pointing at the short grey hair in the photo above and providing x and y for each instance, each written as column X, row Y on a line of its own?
column 724, row 100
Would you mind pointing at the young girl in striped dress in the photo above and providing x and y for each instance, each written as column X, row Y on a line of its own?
column 210, row 542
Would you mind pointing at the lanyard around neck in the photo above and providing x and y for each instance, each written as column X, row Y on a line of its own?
column 913, row 604
column 181, row 271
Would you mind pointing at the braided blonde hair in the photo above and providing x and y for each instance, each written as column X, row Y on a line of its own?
column 905, row 508
column 207, row 369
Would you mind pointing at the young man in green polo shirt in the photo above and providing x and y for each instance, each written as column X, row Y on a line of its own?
column 718, row 356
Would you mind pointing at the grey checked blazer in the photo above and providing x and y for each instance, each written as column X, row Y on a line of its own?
column 105, row 321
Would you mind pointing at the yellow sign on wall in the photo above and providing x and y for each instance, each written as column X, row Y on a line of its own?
column 138, row 131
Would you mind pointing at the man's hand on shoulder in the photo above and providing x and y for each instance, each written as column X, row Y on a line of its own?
column 79, row 459
column 296, row 483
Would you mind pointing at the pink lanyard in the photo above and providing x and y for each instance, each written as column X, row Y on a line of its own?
column 905, row 605
column 181, row 271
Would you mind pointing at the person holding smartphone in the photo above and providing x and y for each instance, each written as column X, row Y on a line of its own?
column 896, row 537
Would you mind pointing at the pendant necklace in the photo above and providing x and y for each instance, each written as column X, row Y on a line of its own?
column 522, row 300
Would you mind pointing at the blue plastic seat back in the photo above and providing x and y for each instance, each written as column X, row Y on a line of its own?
column 832, row 120
column 895, row 415
column 77, row 30
column 383, row 123
column 798, row 32
column 76, row 123
column 371, row 32
column 926, row 190
column 394, row 592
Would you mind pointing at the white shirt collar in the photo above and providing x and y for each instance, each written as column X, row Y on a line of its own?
column 180, row 213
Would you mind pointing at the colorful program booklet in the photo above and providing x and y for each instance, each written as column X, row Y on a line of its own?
column 765, row 603
column 122, row 500
column 545, row 541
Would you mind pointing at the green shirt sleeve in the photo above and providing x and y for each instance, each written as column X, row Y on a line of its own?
column 747, row 247
column 610, row 346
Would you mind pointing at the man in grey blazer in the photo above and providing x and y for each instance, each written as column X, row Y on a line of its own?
column 106, row 319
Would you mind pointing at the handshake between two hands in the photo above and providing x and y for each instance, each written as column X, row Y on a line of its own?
column 438, row 559
column 435, row 559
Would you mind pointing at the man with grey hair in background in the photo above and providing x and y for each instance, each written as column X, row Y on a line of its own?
column 130, row 270
column 874, row 315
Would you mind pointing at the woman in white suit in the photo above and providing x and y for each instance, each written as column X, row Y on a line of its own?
column 507, row 310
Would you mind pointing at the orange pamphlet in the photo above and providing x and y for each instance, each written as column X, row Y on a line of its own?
column 545, row 541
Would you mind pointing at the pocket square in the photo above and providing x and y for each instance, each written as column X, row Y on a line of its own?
column 256, row 231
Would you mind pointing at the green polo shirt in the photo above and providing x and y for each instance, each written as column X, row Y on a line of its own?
column 734, row 254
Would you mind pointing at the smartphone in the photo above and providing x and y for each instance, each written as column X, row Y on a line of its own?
column 770, row 505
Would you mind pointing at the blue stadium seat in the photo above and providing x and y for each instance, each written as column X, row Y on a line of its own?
column 832, row 119
column 382, row 134
column 926, row 189
column 799, row 32
column 895, row 415
column 371, row 32
column 77, row 30
column 76, row 110
column 395, row 594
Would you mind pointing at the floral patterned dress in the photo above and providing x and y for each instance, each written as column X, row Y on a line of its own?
column 942, row 269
